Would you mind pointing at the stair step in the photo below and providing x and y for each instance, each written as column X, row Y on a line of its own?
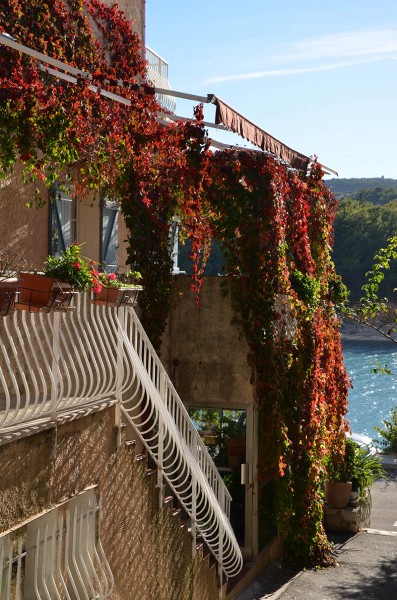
column 140, row 457
column 150, row 472
column 131, row 443
column 176, row 511
column 168, row 500
column 213, row 565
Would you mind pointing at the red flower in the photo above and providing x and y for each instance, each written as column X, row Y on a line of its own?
column 97, row 288
column 76, row 265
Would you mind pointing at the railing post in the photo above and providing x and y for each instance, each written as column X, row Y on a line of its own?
column 121, row 319
column 193, row 528
column 161, row 434
column 55, row 363
column 160, row 463
column 220, row 559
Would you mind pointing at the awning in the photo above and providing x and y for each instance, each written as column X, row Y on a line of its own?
column 225, row 115
column 239, row 124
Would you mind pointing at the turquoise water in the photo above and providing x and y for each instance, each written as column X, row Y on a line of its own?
column 373, row 395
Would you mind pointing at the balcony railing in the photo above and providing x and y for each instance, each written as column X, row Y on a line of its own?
column 158, row 75
column 60, row 362
column 57, row 555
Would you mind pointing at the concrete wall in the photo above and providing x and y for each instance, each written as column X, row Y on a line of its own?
column 23, row 230
column 149, row 553
column 134, row 10
column 203, row 352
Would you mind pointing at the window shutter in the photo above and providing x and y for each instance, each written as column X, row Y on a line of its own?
column 174, row 245
column 110, row 235
column 60, row 234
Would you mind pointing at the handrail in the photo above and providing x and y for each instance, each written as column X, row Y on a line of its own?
column 51, row 363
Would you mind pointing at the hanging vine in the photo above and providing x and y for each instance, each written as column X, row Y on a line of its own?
column 65, row 132
column 275, row 227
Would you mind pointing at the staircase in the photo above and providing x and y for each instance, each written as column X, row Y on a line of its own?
column 55, row 364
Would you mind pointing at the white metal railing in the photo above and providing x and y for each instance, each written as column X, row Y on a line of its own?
column 158, row 74
column 57, row 555
column 54, row 363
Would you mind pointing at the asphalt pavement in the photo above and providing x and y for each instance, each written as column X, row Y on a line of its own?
column 366, row 562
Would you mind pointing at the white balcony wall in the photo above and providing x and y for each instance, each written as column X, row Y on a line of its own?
column 158, row 75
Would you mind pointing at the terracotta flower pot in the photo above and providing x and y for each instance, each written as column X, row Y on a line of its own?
column 337, row 494
column 112, row 296
column 35, row 291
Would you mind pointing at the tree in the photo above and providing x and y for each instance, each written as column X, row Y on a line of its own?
column 360, row 229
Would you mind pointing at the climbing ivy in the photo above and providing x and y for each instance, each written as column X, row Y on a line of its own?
column 70, row 133
column 275, row 226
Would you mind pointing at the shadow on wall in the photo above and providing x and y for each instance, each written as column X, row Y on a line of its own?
column 148, row 551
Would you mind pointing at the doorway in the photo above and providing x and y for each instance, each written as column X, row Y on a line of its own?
column 223, row 431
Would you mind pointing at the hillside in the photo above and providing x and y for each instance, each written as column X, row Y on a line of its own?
column 346, row 187
column 366, row 218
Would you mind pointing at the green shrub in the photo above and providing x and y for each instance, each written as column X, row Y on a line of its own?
column 357, row 466
column 389, row 434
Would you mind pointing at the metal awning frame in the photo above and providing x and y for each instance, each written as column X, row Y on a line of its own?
column 71, row 74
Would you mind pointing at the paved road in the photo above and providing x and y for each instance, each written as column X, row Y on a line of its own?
column 367, row 562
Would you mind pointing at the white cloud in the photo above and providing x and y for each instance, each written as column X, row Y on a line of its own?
column 291, row 71
column 344, row 45
column 342, row 49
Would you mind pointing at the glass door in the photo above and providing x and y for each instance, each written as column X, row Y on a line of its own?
column 223, row 431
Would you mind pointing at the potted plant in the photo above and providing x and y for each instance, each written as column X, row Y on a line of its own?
column 366, row 467
column 354, row 471
column 55, row 285
column 339, row 468
column 116, row 290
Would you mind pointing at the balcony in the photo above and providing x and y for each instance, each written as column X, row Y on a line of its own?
column 158, row 75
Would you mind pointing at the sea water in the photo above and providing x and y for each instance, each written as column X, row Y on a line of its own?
column 373, row 395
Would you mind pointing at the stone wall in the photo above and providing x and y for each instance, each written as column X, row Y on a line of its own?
column 351, row 518
column 149, row 552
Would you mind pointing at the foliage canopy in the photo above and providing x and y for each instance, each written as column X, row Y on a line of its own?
column 275, row 226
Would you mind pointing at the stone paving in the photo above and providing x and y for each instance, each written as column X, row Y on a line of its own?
column 367, row 561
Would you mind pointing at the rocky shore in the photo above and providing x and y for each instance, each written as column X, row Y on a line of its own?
column 353, row 331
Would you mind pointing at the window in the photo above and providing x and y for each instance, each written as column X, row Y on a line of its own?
column 109, row 235
column 62, row 221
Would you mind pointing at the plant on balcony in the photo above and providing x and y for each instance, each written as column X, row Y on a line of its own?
column 130, row 278
column 116, row 289
column 53, row 287
column 71, row 267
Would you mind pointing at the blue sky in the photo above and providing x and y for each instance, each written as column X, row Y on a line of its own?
column 320, row 77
